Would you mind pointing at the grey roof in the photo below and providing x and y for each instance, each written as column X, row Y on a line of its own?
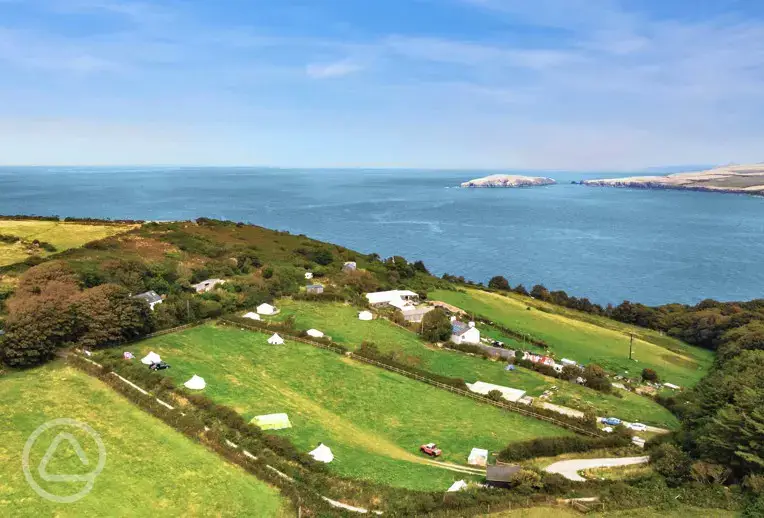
column 315, row 286
column 150, row 296
column 459, row 328
column 500, row 473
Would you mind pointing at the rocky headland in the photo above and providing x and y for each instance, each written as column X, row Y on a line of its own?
column 739, row 179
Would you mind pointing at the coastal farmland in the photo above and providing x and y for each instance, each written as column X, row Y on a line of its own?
column 583, row 340
column 61, row 235
column 150, row 470
column 340, row 321
column 373, row 420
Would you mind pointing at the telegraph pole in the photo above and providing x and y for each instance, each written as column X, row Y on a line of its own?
column 631, row 343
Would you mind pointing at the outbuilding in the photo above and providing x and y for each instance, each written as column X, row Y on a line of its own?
column 501, row 475
column 208, row 285
column 314, row 289
column 481, row 387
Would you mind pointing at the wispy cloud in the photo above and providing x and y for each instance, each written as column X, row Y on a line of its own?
column 332, row 70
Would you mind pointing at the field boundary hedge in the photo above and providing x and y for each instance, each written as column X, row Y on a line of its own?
column 579, row 427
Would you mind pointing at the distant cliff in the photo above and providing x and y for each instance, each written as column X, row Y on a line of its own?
column 508, row 180
column 739, row 179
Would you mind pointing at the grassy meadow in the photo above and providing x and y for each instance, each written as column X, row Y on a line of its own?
column 586, row 339
column 150, row 469
column 373, row 420
column 62, row 235
column 340, row 321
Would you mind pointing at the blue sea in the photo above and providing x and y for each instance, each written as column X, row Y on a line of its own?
column 606, row 244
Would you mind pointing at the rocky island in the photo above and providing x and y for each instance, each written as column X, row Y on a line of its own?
column 739, row 179
column 508, row 180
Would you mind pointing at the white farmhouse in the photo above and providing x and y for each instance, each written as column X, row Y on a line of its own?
column 151, row 297
column 462, row 333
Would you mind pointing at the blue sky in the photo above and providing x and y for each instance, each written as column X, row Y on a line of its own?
column 502, row 84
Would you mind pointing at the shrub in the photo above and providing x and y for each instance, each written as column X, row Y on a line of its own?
column 649, row 375
column 671, row 462
column 495, row 395
column 552, row 446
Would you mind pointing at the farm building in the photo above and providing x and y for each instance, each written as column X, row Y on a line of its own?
column 152, row 297
column 349, row 266
column 396, row 298
column 266, row 309
column 208, row 285
column 315, row 289
column 413, row 314
column 462, row 333
column 507, row 393
column 501, row 476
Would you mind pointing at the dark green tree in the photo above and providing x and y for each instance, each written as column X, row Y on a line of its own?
column 436, row 326
column 499, row 283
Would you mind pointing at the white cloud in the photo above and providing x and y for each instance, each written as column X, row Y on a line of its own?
column 332, row 70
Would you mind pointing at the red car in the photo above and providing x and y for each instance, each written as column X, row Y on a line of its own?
column 430, row 449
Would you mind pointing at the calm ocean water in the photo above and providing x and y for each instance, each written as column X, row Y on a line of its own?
column 606, row 244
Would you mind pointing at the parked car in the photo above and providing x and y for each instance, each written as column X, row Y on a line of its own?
column 159, row 366
column 612, row 421
column 430, row 449
column 638, row 427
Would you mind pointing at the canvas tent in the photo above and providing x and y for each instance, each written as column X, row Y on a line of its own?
column 365, row 315
column 266, row 309
column 195, row 383
column 315, row 333
column 457, row 486
column 272, row 421
column 151, row 358
column 275, row 339
column 509, row 394
column 478, row 457
column 253, row 316
column 322, row 454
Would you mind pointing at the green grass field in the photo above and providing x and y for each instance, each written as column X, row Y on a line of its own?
column 341, row 323
column 586, row 340
column 373, row 420
column 681, row 511
column 60, row 234
column 150, row 469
